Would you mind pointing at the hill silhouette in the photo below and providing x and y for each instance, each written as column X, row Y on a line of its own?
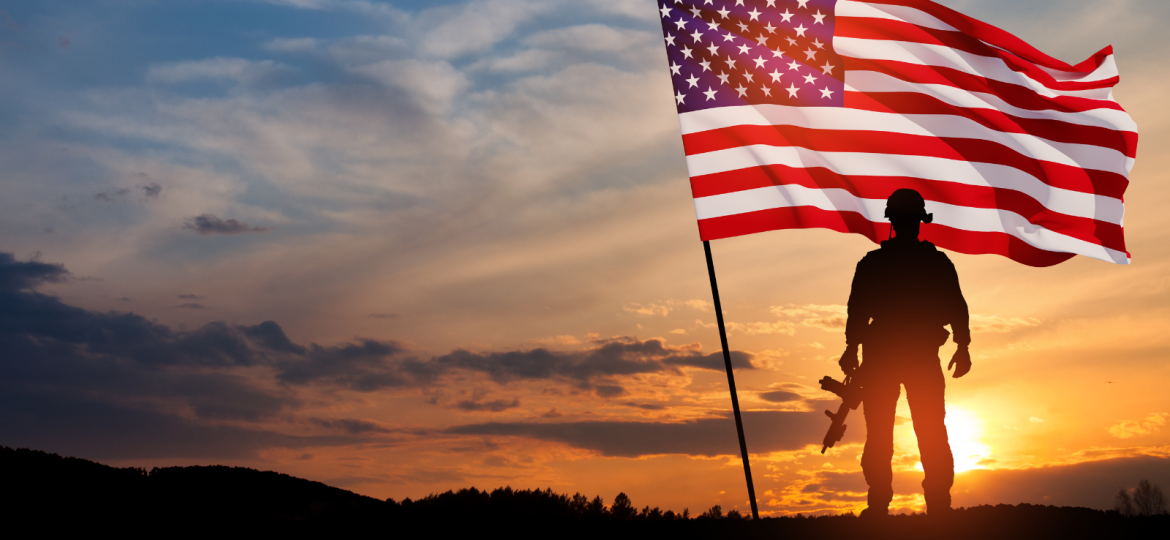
column 70, row 493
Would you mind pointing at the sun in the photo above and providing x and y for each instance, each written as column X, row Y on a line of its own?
column 965, row 430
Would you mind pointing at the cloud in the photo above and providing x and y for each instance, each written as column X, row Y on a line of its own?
column 1134, row 428
column 701, row 305
column 206, row 224
column 351, row 425
column 498, row 405
column 1091, row 484
column 780, row 396
column 999, row 325
column 151, row 190
column 649, row 309
column 16, row 276
column 831, row 317
column 190, row 297
column 235, row 69
column 192, row 305
column 762, row 328
column 767, row 431
column 558, row 340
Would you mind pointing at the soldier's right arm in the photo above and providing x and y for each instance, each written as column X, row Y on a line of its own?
column 859, row 313
column 860, row 308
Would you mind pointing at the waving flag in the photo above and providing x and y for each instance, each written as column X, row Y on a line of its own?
column 809, row 113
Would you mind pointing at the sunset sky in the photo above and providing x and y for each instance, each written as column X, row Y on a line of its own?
column 410, row 246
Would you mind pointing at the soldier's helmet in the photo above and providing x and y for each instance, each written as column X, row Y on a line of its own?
column 907, row 203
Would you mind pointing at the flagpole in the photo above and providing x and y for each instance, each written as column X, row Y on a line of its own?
column 747, row 468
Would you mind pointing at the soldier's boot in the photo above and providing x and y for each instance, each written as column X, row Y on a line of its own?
column 879, row 503
column 938, row 502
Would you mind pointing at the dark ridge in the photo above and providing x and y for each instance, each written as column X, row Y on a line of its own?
column 57, row 493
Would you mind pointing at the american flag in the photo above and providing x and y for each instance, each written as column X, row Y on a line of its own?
column 809, row 113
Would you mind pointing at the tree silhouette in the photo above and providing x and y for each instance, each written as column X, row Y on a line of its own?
column 1122, row 503
column 1147, row 500
column 622, row 507
column 715, row 512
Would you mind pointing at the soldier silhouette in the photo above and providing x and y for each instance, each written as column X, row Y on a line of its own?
column 903, row 295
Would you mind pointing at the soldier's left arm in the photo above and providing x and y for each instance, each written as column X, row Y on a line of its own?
column 959, row 319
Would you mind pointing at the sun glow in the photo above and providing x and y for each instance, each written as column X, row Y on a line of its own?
column 965, row 430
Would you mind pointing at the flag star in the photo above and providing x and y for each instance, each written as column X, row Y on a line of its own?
column 826, row 93
column 665, row 11
column 741, row 91
column 709, row 93
column 803, row 3
column 712, row 26
column 739, row 2
column 743, row 49
column 791, row 41
column 686, row 52
column 771, row 3
column 754, row 14
column 747, row 76
column 787, row 16
column 693, row 81
column 723, row 78
column 775, row 75
column 669, row 39
column 817, row 43
column 794, row 65
column 708, row 3
column 811, row 54
column 828, row 68
column 777, row 53
column 706, row 65
column 696, row 11
column 792, row 90
column 680, row 97
column 713, row 48
column 820, row 19
column 680, row 23
column 729, row 37
column 767, row 91
column 695, row 36
column 723, row 12
column 762, row 40
column 760, row 61
column 771, row 29
column 809, row 79
column 730, row 62
column 674, row 68
column 742, row 27
column 800, row 30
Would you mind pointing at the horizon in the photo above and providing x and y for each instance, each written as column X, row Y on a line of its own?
column 406, row 247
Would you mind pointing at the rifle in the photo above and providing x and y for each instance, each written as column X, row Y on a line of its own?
column 850, row 394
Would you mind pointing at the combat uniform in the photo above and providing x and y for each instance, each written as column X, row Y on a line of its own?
column 903, row 295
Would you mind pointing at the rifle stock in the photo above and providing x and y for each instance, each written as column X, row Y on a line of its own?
column 850, row 394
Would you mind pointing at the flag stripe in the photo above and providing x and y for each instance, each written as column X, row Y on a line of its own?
column 915, row 104
column 851, row 164
column 807, row 217
column 939, row 56
column 1104, row 230
column 875, row 82
column 1014, row 94
column 939, row 40
column 930, row 13
column 990, row 220
column 924, row 135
